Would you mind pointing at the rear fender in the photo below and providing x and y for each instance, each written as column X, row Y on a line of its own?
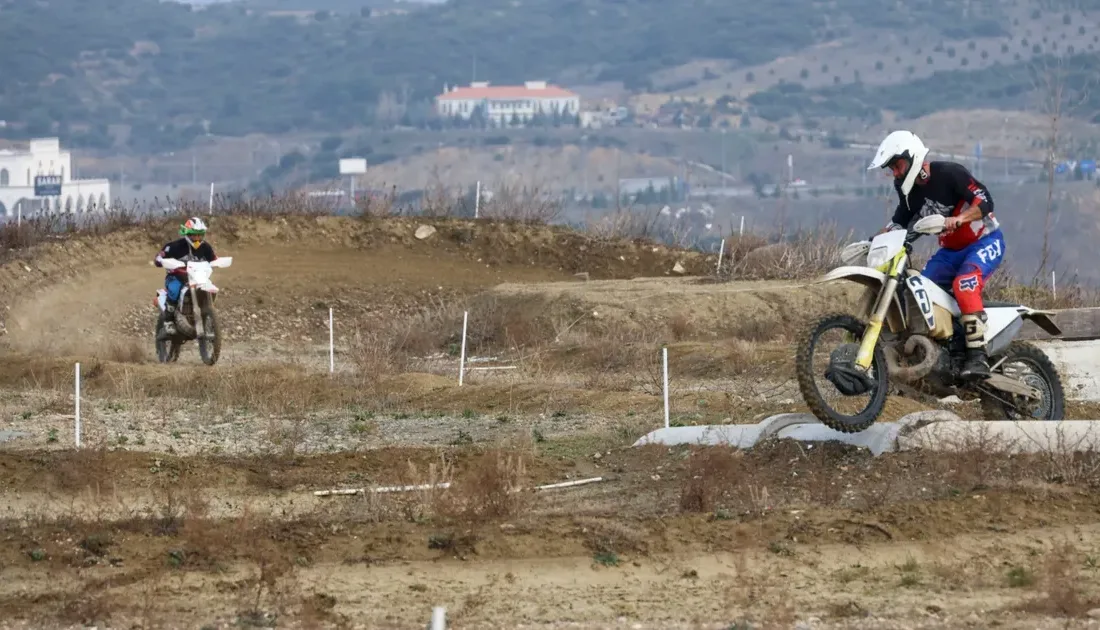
column 873, row 280
column 1042, row 319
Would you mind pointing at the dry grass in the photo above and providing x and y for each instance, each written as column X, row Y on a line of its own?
column 1037, row 292
column 490, row 489
column 38, row 229
column 801, row 256
column 1059, row 584
column 629, row 223
column 491, row 486
column 513, row 202
column 712, row 473
column 608, row 538
column 768, row 502
column 507, row 202
column 263, row 388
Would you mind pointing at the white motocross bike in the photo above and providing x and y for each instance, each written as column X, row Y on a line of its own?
column 922, row 329
column 195, row 318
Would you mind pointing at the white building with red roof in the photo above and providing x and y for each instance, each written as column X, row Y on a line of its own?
column 504, row 103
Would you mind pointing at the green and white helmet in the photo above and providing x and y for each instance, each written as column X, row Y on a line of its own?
column 193, row 227
column 194, row 230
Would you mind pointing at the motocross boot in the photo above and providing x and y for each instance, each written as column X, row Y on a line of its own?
column 976, row 365
column 170, row 320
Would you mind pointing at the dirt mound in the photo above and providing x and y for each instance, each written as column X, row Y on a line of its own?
column 687, row 308
column 64, row 296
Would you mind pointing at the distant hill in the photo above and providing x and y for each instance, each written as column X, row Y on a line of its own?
column 167, row 72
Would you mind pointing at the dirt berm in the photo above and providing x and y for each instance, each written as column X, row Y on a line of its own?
column 62, row 297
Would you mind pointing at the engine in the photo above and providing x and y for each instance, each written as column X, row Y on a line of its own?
column 935, row 366
column 930, row 357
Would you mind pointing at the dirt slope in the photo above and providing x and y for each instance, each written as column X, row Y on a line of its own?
column 65, row 297
column 758, row 310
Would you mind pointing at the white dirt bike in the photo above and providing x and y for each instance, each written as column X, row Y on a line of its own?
column 922, row 323
column 195, row 318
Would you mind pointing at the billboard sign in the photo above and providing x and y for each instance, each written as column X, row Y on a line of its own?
column 353, row 166
column 47, row 185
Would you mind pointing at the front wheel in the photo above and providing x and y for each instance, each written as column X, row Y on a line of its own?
column 210, row 344
column 872, row 391
column 210, row 341
column 168, row 350
column 1029, row 364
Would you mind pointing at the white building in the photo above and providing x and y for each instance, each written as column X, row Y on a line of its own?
column 503, row 102
column 45, row 157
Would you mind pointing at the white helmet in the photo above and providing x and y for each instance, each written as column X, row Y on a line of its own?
column 901, row 144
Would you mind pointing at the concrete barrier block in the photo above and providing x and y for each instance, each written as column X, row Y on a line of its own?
column 1078, row 363
column 7, row 436
column 1023, row 436
column 879, row 438
column 736, row 435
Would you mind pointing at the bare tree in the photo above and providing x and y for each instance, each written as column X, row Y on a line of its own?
column 1058, row 98
column 389, row 110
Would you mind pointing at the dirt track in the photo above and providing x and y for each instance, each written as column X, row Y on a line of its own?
column 193, row 504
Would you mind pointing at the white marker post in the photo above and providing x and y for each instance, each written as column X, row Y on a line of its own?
column 742, row 232
column 211, row 197
column 664, row 355
column 76, row 398
column 462, row 355
column 721, row 252
column 439, row 618
column 477, row 200
column 331, row 344
column 1053, row 286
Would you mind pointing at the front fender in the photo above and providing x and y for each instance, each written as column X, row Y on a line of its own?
column 874, row 280
column 863, row 275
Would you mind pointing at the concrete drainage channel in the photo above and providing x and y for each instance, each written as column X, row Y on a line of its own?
column 1077, row 361
column 930, row 430
column 7, row 436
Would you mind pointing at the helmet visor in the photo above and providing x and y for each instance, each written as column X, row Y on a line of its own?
column 898, row 165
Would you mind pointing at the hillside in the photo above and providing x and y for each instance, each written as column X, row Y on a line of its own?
column 170, row 72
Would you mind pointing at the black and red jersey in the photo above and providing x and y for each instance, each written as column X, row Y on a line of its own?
column 948, row 189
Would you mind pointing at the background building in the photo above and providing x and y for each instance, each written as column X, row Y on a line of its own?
column 504, row 103
column 45, row 157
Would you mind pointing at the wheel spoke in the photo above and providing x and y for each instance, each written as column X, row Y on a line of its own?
column 817, row 353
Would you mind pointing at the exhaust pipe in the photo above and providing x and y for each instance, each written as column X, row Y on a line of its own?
column 912, row 373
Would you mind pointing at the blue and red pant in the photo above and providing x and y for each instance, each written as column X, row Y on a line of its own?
column 173, row 284
column 965, row 271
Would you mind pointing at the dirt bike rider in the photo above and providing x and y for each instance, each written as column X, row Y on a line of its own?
column 971, row 245
column 190, row 247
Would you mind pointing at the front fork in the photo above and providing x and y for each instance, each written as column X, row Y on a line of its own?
column 196, row 305
column 874, row 326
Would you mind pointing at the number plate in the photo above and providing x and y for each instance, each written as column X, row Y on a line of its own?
column 916, row 285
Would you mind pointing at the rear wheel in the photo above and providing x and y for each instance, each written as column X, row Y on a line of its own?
column 1029, row 364
column 845, row 412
